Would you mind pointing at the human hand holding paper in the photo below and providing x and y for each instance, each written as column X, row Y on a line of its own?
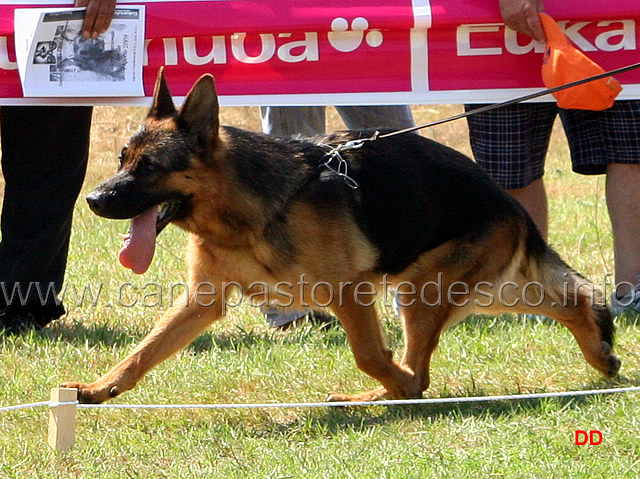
column 98, row 16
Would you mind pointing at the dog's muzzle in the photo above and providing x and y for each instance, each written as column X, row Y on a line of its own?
column 120, row 198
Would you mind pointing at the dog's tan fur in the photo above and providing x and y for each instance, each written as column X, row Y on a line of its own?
column 238, row 235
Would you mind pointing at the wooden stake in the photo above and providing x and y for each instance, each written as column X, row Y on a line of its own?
column 62, row 419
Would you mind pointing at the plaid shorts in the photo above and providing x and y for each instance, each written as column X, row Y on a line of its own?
column 511, row 142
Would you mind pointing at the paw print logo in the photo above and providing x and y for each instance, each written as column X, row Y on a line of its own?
column 347, row 40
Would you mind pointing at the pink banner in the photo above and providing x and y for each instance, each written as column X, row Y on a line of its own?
column 359, row 52
column 470, row 48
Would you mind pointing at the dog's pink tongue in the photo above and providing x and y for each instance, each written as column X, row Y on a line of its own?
column 138, row 249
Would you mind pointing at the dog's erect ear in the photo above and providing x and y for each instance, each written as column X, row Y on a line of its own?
column 199, row 113
column 162, row 106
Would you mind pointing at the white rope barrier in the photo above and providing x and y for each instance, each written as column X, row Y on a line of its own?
column 394, row 402
column 63, row 406
column 24, row 406
column 391, row 402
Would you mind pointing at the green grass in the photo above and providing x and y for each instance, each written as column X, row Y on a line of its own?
column 241, row 360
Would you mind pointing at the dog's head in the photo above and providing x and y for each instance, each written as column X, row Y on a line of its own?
column 158, row 165
column 87, row 47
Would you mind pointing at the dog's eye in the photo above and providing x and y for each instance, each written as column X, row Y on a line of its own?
column 148, row 165
column 121, row 157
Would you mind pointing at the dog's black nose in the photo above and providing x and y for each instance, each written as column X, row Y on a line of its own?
column 121, row 198
column 97, row 201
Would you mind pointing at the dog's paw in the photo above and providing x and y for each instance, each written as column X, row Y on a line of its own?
column 613, row 366
column 612, row 362
column 89, row 394
column 373, row 395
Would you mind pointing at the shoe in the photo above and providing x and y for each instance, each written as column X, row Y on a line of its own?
column 16, row 322
column 627, row 303
column 19, row 320
column 279, row 319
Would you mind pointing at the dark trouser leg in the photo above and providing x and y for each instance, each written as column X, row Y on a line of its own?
column 44, row 160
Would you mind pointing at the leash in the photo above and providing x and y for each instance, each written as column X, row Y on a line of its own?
column 513, row 101
column 341, row 169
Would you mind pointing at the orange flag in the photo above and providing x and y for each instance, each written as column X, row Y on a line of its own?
column 563, row 63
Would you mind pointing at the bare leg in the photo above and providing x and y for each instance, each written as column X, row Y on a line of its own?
column 623, row 198
column 534, row 199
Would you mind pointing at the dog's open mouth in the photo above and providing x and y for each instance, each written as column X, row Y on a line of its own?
column 140, row 243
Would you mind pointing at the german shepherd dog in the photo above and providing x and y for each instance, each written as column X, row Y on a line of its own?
column 402, row 210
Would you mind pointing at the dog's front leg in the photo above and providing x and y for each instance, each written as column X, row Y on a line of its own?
column 174, row 331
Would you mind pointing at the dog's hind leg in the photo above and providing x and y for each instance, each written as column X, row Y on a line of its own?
column 372, row 355
column 174, row 331
column 574, row 302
